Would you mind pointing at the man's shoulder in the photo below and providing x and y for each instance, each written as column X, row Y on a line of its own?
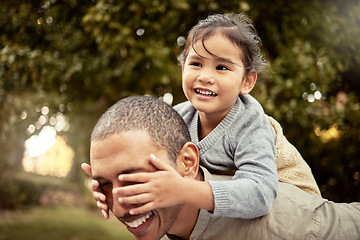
column 290, row 193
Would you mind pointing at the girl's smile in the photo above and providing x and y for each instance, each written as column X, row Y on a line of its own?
column 205, row 92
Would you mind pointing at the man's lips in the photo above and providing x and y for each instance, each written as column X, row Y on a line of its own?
column 205, row 92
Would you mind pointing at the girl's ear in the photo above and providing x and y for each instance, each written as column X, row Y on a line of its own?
column 188, row 160
column 248, row 82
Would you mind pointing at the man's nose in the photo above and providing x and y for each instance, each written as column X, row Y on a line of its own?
column 120, row 209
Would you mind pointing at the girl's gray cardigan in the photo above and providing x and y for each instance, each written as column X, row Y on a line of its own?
column 242, row 144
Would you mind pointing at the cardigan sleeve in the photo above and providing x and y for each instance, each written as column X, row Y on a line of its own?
column 253, row 188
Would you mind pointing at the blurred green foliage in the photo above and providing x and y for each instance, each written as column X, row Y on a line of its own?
column 79, row 57
column 60, row 223
column 26, row 189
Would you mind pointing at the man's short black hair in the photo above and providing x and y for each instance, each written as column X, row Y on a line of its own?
column 165, row 126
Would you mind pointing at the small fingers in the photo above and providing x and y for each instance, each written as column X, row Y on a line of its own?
column 95, row 185
column 142, row 209
column 103, row 206
column 136, row 177
column 160, row 165
column 104, row 209
column 87, row 169
column 132, row 190
column 105, row 214
column 98, row 196
column 138, row 199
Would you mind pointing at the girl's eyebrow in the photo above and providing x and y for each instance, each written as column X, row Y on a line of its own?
column 198, row 57
column 227, row 61
column 222, row 59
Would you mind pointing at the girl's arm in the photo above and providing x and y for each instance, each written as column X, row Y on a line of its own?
column 163, row 188
column 253, row 188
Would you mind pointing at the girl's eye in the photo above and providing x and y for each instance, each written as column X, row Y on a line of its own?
column 221, row 67
column 196, row 64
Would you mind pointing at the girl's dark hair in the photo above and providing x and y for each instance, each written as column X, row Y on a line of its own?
column 238, row 28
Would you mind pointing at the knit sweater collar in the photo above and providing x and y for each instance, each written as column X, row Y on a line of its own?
column 218, row 131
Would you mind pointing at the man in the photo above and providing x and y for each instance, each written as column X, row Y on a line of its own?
column 131, row 132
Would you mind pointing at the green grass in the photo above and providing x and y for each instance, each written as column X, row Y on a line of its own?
column 60, row 223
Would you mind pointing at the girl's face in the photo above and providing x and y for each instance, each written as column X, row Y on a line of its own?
column 212, row 82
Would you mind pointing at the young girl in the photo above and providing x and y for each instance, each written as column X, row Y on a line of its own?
column 221, row 60
column 220, row 63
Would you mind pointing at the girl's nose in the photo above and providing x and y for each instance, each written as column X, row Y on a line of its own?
column 205, row 78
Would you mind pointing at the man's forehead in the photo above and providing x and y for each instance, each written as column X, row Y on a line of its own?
column 123, row 153
column 111, row 168
column 120, row 142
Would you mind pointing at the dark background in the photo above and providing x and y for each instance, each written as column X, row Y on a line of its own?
column 79, row 57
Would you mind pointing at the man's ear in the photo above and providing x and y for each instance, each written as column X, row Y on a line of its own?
column 248, row 82
column 188, row 160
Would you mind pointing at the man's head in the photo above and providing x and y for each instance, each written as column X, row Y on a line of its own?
column 122, row 142
column 165, row 126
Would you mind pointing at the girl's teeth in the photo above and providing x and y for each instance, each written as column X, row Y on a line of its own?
column 206, row 93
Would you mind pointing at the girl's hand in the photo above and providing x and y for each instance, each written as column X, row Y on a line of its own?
column 97, row 193
column 151, row 190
